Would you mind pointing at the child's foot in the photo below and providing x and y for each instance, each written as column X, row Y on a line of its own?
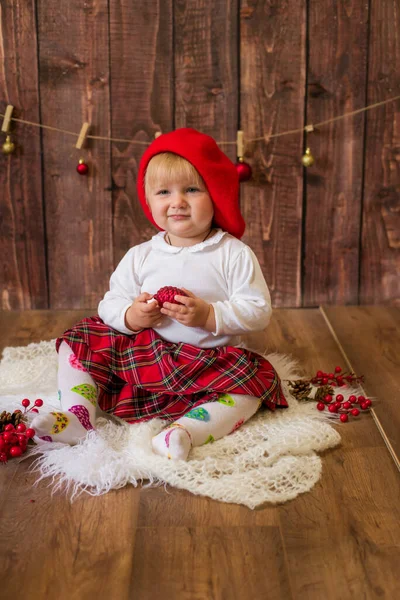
column 66, row 427
column 173, row 442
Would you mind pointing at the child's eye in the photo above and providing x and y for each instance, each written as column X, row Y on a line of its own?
column 192, row 189
column 162, row 192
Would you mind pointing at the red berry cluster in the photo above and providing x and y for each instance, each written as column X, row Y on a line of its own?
column 14, row 440
column 337, row 404
column 336, row 379
column 167, row 294
column 344, row 408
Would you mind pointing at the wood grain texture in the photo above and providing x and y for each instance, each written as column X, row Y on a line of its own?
column 272, row 83
column 23, row 283
column 340, row 540
column 74, row 87
column 328, row 235
column 336, row 85
column 206, row 68
column 209, row 562
column 22, row 328
column 370, row 338
column 142, row 104
column 77, row 550
column 380, row 258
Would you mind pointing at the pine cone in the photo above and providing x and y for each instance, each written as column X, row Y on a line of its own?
column 300, row 389
column 7, row 418
column 322, row 391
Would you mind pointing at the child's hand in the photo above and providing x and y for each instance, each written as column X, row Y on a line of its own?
column 141, row 314
column 195, row 312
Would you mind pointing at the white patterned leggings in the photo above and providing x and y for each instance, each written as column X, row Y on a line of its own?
column 78, row 393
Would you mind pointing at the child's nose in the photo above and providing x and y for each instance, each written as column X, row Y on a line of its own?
column 178, row 199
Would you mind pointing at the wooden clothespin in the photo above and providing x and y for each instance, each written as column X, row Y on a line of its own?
column 82, row 136
column 243, row 168
column 5, row 128
column 240, row 145
column 307, row 159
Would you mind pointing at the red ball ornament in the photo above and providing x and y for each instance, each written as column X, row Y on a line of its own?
column 9, row 427
column 21, row 428
column 167, row 294
column 355, row 412
column 364, row 406
column 344, row 418
column 34, row 410
column 352, row 398
column 339, row 397
column 30, row 432
column 82, row 167
column 39, row 402
column 332, row 408
column 320, row 406
column 347, row 405
column 320, row 374
column 25, row 402
column 328, row 398
column 338, row 369
column 368, row 402
column 244, row 171
column 324, row 381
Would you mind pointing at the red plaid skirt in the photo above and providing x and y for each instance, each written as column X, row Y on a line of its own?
column 141, row 376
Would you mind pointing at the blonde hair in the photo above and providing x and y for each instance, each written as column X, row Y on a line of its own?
column 168, row 167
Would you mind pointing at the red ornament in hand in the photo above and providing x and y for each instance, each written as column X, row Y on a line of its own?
column 244, row 171
column 167, row 294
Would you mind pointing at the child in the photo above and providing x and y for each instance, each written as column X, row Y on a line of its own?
column 179, row 361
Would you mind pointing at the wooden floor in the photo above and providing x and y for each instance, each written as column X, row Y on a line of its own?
column 339, row 541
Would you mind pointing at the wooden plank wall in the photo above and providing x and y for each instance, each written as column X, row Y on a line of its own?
column 327, row 235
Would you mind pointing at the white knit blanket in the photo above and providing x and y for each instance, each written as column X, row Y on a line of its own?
column 272, row 458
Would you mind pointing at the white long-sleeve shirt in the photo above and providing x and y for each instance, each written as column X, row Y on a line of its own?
column 223, row 271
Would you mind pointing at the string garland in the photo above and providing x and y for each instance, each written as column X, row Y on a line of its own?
column 307, row 159
column 264, row 137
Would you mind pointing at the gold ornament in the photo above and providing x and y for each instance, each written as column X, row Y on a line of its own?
column 8, row 146
column 307, row 159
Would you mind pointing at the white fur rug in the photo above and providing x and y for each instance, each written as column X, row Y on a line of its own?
column 272, row 458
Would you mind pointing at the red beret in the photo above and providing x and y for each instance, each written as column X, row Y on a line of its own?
column 217, row 170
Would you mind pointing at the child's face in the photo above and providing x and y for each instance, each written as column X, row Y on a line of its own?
column 183, row 208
